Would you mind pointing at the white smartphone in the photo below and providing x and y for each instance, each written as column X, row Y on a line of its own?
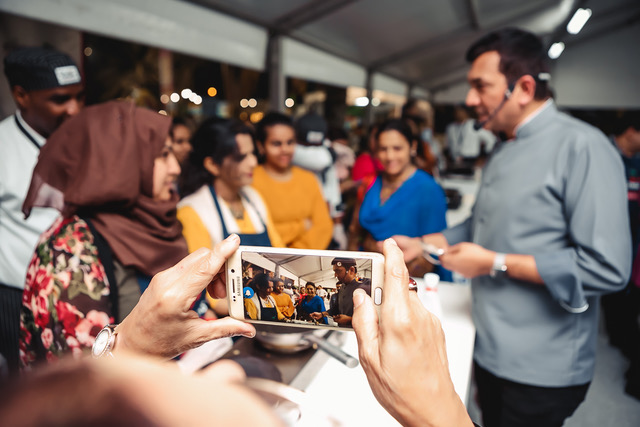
column 319, row 283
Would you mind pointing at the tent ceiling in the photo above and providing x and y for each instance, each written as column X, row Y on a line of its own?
column 420, row 42
column 311, row 269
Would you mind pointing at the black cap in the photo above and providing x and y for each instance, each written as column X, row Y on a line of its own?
column 311, row 129
column 38, row 68
column 344, row 262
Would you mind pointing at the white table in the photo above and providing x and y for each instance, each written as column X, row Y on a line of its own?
column 346, row 391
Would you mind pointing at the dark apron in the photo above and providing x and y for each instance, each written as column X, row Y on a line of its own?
column 267, row 313
column 255, row 239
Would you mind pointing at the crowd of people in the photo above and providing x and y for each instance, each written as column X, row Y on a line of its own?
column 114, row 214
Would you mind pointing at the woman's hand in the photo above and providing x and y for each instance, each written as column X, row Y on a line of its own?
column 163, row 324
column 404, row 354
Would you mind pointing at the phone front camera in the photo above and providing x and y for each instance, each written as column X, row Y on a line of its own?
column 233, row 270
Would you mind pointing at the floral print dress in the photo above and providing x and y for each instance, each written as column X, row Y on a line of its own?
column 66, row 297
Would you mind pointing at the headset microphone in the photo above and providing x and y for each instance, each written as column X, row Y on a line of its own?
column 507, row 94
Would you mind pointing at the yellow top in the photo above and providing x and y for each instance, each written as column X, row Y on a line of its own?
column 201, row 225
column 197, row 236
column 284, row 303
column 299, row 211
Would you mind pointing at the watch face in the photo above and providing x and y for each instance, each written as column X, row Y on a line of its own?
column 102, row 339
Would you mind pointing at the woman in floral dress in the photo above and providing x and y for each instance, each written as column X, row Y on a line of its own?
column 111, row 172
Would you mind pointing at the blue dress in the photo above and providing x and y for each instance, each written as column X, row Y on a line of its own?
column 417, row 208
column 315, row 305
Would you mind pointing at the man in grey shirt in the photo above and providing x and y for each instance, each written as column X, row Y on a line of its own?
column 547, row 237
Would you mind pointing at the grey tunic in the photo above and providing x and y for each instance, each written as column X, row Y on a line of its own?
column 557, row 192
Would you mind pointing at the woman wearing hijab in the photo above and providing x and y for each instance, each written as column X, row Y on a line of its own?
column 110, row 171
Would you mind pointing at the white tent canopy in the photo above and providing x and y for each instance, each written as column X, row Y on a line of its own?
column 401, row 47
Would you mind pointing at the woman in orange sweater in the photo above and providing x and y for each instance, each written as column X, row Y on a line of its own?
column 292, row 194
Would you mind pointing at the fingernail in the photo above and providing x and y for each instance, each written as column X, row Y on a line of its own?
column 249, row 334
column 233, row 238
column 391, row 241
column 358, row 297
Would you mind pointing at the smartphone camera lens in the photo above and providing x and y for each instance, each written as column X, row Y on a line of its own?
column 233, row 270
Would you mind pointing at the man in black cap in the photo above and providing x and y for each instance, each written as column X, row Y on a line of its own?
column 47, row 88
column 345, row 270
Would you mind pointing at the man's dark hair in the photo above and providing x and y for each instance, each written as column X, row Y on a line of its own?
column 625, row 120
column 521, row 53
column 271, row 119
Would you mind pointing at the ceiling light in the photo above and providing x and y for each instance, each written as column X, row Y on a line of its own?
column 362, row 101
column 556, row 50
column 578, row 20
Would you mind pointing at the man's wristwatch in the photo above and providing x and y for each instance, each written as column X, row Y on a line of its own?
column 499, row 268
column 105, row 340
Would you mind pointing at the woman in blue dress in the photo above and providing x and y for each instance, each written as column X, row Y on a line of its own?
column 311, row 306
column 403, row 200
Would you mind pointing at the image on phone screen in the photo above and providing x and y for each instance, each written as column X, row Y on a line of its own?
column 300, row 289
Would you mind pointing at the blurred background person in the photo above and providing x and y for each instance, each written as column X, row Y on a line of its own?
column 466, row 143
column 110, row 171
column 47, row 88
column 366, row 163
column 316, row 154
column 292, row 194
column 345, row 157
column 414, row 113
column 181, row 130
column 403, row 200
column 621, row 309
column 218, row 197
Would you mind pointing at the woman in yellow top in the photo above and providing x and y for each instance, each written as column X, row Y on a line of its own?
column 283, row 300
column 218, row 197
column 261, row 305
column 292, row 194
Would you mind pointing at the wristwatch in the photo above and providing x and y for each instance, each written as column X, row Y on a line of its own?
column 105, row 340
column 499, row 268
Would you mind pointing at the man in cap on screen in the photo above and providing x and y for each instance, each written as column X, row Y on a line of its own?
column 47, row 88
column 345, row 271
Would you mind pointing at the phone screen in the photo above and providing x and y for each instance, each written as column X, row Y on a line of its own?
column 303, row 290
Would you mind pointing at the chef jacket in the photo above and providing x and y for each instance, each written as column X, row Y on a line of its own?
column 19, row 150
column 557, row 192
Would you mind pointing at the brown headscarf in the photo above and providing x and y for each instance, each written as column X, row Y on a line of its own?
column 99, row 164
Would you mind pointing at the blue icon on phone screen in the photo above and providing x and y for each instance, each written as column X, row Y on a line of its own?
column 247, row 292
